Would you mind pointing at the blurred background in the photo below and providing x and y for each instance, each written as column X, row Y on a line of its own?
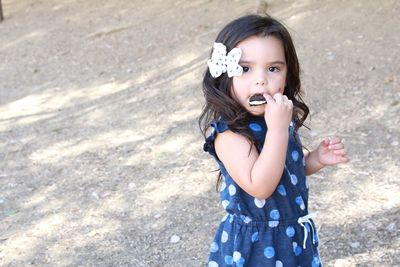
column 101, row 160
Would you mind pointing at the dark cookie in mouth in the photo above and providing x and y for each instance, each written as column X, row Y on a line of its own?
column 257, row 100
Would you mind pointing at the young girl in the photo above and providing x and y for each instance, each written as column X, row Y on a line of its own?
column 253, row 111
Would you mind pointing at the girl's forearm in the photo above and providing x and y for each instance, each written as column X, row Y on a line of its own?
column 312, row 163
column 268, row 168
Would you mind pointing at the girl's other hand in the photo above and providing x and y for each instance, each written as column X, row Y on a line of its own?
column 278, row 112
column 331, row 151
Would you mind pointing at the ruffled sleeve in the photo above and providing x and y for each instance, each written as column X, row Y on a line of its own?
column 216, row 127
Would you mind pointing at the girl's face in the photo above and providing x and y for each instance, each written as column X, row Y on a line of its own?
column 264, row 71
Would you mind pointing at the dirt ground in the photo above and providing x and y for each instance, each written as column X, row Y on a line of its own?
column 101, row 160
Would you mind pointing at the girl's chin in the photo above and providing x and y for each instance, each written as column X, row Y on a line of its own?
column 257, row 111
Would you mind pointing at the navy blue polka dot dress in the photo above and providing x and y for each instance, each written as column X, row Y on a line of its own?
column 277, row 231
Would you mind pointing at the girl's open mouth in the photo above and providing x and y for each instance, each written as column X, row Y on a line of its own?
column 257, row 100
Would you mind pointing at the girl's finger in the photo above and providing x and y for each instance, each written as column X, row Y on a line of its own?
column 269, row 99
column 334, row 140
column 336, row 146
column 278, row 98
column 287, row 101
column 343, row 159
column 340, row 152
column 325, row 142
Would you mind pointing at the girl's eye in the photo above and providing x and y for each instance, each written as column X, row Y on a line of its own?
column 245, row 69
column 273, row 69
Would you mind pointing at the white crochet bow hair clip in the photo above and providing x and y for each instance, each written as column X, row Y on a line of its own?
column 221, row 62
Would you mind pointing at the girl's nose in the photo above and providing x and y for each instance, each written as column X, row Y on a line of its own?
column 260, row 78
column 260, row 82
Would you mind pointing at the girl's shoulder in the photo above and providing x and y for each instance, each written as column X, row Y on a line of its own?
column 216, row 126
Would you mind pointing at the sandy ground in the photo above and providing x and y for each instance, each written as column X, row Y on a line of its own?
column 101, row 160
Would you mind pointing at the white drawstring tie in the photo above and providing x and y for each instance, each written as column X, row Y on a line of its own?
column 306, row 219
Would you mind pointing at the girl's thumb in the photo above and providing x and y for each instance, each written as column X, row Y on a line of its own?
column 268, row 98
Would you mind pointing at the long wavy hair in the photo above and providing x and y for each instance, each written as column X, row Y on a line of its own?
column 219, row 102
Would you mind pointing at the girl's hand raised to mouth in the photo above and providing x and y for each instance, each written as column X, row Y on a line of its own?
column 278, row 112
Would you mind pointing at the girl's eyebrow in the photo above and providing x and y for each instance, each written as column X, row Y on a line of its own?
column 269, row 63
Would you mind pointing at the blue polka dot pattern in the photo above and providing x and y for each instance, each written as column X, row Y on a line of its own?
column 273, row 224
column 254, row 237
column 259, row 202
column 293, row 179
column 236, row 256
column 240, row 262
column 225, row 203
column 232, row 190
column 225, row 217
column 214, row 247
column 290, row 231
column 255, row 127
column 228, row 260
column 274, row 214
column 296, row 249
column 224, row 237
column 300, row 202
column 316, row 262
column 238, row 259
column 264, row 232
column 269, row 252
column 295, row 155
column 247, row 219
column 281, row 190
column 223, row 186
